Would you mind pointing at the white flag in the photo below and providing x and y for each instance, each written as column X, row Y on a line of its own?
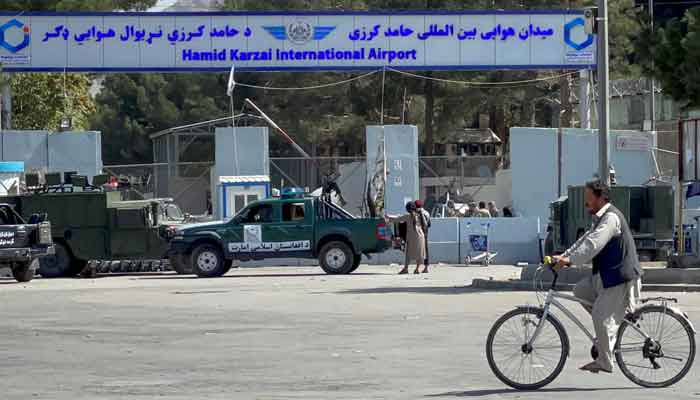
column 231, row 82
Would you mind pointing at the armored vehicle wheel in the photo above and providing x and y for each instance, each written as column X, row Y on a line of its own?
column 24, row 272
column 336, row 258
column 208, row 261
column 57, row 265
column 179, row 265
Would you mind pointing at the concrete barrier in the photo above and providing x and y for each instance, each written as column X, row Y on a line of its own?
column 652, row 275
column 516, row 240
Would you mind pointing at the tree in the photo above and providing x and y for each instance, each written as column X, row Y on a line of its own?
column 674, row 50
column 132, row 106
column 41, row 100
column 77, row 5
column 623, row 27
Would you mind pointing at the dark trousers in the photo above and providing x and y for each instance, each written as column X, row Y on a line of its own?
column 426, row 249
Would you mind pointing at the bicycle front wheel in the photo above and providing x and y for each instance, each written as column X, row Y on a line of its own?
column 663, row 358
column 517, row 363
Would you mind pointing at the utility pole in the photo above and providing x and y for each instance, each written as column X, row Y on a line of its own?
column 652, row 107
column 603, row 83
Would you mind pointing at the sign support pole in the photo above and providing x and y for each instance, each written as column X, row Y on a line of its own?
column 603, row 90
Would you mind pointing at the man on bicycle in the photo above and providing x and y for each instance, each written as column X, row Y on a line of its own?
column 615, row 282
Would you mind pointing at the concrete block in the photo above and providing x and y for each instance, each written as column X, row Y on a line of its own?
column 671, row 276
column 75, row 151
column 689, row 261
column 515, row 240
column 483, row 284
column 28, row 146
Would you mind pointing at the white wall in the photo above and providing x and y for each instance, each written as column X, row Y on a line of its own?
column 514, row 239
column 534, row 164
column 54, row 152
column 75, row 151
column 401, row 152
column 501, row 192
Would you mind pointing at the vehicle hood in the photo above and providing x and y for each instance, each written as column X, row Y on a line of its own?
column 201, row 226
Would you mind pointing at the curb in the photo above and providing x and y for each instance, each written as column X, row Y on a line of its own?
column 528, row 286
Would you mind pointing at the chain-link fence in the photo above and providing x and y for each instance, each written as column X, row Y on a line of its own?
column 189, row 183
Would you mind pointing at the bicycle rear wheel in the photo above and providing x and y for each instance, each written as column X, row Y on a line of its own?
column 662, row 359
column 518, row 364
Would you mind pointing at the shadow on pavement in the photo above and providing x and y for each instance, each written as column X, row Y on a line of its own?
column 492, row 392
column 417, row 289
column 277, row 275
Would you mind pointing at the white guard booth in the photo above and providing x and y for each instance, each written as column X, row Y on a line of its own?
column 235, row 192
column 10, row 175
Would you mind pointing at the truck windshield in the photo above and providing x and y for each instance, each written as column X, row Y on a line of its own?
column 173, row 212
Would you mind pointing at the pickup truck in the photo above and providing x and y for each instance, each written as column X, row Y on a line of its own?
column 23, row 243
column 299, row 227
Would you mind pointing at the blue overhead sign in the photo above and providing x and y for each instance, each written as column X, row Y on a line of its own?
column 127, row 42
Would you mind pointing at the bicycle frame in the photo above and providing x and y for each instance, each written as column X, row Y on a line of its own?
column 551, row 300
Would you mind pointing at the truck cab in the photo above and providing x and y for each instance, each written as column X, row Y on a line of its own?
column 23, row 243
column 289, row 227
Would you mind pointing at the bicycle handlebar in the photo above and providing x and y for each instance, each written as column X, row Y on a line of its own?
column 549, row 263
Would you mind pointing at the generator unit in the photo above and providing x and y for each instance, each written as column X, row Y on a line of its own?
column 648, row 209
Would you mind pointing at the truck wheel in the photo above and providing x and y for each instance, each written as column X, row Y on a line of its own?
column 336, row 258
column 208, row 261
column 178, row 264
column 56, row 265
column 356, row 262
column 24, row 271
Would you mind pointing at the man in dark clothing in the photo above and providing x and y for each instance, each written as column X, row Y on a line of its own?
column 615, row 282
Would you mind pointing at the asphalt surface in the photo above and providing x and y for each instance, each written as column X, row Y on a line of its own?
column 277, row 333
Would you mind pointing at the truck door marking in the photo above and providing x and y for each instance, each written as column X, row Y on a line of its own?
column 252, row 233
column 255, row 247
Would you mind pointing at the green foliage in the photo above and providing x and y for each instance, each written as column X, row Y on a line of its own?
column 674, row 50
column 40, row 101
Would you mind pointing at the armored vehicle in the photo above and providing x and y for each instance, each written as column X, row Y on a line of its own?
column 96, row 225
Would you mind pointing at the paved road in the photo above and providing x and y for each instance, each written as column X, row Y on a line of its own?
column 274, row 333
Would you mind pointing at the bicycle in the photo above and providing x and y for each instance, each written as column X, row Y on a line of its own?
column 656, row 338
